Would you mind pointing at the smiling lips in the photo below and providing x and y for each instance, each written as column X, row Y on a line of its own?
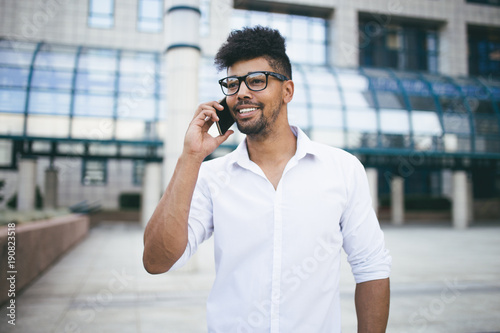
column 246, row 110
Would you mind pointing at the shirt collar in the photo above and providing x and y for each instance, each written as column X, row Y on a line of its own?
column 305, row 146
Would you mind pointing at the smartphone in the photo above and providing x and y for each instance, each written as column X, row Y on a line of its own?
column 226, row 120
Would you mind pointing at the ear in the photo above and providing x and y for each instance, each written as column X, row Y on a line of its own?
column 288, row 89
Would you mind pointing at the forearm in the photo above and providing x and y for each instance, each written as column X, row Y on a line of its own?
column 165, row 237
column 372, row 300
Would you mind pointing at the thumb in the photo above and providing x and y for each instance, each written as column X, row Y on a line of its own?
column 221, row 138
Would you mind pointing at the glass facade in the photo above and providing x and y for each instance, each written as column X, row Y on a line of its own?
column 397, row 46
column 52, row 91
column 76, row 92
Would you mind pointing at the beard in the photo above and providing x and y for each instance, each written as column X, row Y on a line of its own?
column 262, row 124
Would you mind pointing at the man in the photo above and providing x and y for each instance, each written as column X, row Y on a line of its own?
column 280, row 207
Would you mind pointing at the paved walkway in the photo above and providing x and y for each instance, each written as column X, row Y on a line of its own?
column 443, row 280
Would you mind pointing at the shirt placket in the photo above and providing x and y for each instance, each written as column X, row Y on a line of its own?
column 277, row 258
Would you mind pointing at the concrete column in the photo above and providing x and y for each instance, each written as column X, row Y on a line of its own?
column 26, row 185
column 344, row 49
column 372, row 175
column 51, row 188
column 453, row 46
column 397, row 200
column 182, row 58
column 470, row 201
column 151, row 191
column 460, row 208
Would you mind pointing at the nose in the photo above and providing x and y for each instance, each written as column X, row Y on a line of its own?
column 244, row 92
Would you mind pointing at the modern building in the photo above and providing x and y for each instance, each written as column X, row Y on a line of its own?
column 96, row 95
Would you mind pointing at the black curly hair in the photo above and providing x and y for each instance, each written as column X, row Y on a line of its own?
column 251, row 43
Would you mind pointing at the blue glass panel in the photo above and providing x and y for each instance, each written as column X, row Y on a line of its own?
column 456, row 123
column 142, row 108
column 384, row 84
column 390, row 100
column 138, row 86
column 15, row 58
column 49, row 102
column 441, row 86
column 97, row 82
column 99, row 60
column 451, row 104
column 90, row 105
column 424, row 103
column 394, row 121
column 327, row 118
column 140, row 63
column 12, row 100
column 425, row 122
column 486, row 125
column 52, row 79
column 55, row 60
column 362, row 120
column 481, row 106
column 13, row 77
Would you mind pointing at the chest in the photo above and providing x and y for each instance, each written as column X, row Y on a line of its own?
column 308, row 201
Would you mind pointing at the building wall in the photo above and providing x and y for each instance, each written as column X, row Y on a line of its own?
column 65, row 21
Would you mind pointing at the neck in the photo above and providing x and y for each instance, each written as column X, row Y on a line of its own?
column 279, row 146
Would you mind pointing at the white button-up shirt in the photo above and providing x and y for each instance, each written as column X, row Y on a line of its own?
column 278, row 251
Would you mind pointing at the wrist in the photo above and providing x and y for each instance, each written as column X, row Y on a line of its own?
column 191, row 158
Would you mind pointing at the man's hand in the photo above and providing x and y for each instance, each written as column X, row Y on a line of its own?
column 198, row 143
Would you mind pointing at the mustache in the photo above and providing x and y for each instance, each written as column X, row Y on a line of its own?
column 242, row 103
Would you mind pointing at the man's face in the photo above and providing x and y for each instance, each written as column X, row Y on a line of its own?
column 255, row 112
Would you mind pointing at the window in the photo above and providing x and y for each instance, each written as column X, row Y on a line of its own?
column 486, row 2
column 101, row 14
column 150, row 16
column 138, row 172
column 94, row 172
column 398, row 46
column 305, row 36
column 484, row 51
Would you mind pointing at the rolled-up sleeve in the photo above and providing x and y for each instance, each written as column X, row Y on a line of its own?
column 363, row 240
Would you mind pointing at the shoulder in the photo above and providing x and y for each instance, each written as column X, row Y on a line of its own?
column 216, row 165
column 335, row 155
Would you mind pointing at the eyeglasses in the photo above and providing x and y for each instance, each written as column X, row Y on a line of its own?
column 255, row 81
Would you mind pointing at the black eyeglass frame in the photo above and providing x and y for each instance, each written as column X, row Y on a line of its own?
column 243, row 78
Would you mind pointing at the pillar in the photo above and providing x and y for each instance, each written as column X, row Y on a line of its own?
column 51, row 188
column 26, row 184
column 344, row 31
column 470, row 201
column 151, row 190
column 453, row 46
column 460, row 208
column 182, row 58
column 397, row 200
column 372, row 175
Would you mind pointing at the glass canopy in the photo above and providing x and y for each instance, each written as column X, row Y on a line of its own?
column 62, row 92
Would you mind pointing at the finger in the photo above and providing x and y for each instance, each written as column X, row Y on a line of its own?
column 221, row 138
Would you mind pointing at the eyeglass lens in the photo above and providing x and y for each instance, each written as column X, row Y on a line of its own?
column 254, row 81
